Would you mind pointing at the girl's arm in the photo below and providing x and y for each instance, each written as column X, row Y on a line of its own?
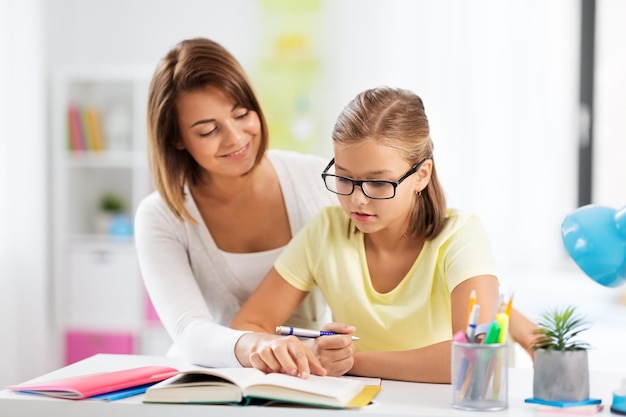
column 523, row 331
column 431, row 363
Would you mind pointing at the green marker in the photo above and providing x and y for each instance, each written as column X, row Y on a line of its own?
column 493, row 334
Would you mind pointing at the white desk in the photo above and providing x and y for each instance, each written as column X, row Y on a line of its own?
column 395, row 399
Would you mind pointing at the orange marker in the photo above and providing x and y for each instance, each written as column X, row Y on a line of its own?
column 509, row 306
column 472, row 301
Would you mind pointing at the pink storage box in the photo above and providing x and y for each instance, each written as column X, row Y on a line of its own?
column 80, row 344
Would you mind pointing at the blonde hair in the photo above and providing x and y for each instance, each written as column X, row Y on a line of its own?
column 396, row 118
column 190, row 65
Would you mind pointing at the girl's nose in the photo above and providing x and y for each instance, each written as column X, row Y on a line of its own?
column 357, row 196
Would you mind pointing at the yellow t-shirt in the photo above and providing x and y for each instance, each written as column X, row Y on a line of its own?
column 417, row 312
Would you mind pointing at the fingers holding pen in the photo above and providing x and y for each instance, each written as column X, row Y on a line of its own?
column 336, row 353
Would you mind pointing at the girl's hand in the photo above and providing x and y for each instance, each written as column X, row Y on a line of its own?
column 336, row 353
column 285, row 354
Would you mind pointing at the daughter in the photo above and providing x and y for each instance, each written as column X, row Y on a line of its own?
column 393, row 261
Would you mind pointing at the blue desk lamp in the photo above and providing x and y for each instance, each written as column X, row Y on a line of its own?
column 595, row 238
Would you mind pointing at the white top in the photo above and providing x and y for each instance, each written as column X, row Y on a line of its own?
column 246, row 266
column 193, row 289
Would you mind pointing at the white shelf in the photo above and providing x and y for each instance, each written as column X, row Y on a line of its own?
column 97, row 282
column 103, row 159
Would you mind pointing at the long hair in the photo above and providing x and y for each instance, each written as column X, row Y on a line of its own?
column 190, row 65
column 396, row 118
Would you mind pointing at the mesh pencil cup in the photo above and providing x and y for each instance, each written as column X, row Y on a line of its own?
column 480, row 376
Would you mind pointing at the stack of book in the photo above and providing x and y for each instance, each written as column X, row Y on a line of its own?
column 106, row 386
column 585, row 407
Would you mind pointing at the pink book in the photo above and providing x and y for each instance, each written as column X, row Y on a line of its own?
column 89, row 385
column 77, row 141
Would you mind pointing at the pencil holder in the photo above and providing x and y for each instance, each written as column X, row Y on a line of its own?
column 480, row 376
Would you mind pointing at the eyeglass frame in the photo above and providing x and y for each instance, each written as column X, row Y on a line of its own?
column 359, row 183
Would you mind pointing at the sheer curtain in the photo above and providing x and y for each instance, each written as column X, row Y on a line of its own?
column 25, row 350
column 7, row 306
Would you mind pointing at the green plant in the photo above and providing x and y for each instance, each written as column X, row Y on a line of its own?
column 111, row 203
column 558, row 328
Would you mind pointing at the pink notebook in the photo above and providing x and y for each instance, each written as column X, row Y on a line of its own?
column 89, row 385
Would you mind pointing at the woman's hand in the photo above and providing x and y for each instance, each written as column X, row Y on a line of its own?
column 271, row 353
column 336, row 353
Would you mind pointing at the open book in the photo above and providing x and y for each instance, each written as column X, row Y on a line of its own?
column 243, row 385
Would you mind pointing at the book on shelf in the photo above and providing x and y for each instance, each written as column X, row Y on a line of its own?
column 101, row 385
column 95, row 129
column 84, row 128
column 249, row 385
column 77, row 141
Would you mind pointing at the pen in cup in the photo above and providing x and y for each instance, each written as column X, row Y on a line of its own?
column 295, row 331
column 472, row 323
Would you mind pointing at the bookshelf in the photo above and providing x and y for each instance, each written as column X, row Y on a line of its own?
column 99, row 161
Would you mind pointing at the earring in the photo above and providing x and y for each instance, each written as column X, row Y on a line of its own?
column 418, row 193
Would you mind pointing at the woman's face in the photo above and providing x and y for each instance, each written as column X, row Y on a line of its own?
column 373, row 161
column 222, row 136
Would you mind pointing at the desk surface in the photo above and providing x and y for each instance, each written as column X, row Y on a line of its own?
column 395, row 399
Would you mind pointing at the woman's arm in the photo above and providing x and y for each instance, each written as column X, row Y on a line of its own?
column 431, row 363
column 173, row 289
column 522, row 331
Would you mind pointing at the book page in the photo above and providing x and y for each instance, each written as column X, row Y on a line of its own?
column 242, row 377
column 324, row 390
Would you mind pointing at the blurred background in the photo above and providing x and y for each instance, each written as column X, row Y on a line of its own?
column 525, row 98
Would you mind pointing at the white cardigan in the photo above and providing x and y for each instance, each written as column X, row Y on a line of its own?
column 189, row 282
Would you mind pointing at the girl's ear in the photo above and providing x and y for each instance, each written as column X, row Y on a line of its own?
column 180, row 145
column 423, row 175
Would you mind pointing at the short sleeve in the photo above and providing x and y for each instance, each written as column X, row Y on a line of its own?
column 296, row 263
column 467, row 252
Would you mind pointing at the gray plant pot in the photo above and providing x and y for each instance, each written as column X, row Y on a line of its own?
column 561, row 375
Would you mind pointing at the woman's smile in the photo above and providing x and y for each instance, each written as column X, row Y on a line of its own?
column 238, row 154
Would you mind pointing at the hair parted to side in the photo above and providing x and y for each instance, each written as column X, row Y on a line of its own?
column 190, row 65
column 396, row 118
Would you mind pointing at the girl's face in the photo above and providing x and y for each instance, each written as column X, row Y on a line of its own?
column 372, row 161
column 220, row 135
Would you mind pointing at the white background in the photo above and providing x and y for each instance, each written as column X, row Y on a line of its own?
column 499, row 81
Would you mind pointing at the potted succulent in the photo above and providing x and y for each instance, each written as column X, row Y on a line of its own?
column 110, row 205
column 561, row 367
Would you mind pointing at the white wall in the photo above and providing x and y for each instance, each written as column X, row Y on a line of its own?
column 609, row 185
column 24, row 314
column 499, row 81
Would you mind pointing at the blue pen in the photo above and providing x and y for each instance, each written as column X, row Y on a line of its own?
column 472, row 323
column 294, row 331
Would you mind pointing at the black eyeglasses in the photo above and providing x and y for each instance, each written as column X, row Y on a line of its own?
column 374, row 189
